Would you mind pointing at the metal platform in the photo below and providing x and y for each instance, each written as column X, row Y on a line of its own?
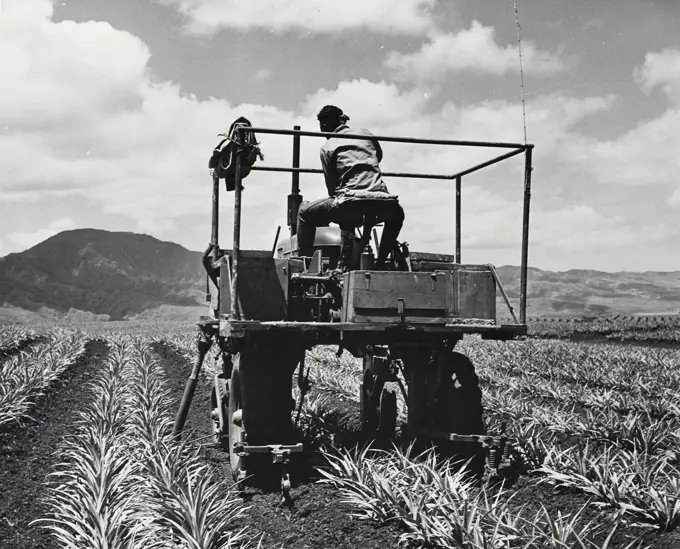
column 336, row 332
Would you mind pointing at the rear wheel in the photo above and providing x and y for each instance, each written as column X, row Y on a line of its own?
column 443, row 398
column 378, row 409
column 458, row 409
column 259, row 411
column 387, row 422
column 235, row 422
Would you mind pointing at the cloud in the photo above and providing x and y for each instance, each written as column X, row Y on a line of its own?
column 660, row 69
column 471, row 50
column 377, row 104
column 646, row 155
column 674, row 200
column 27, row 239
column 158, row 226
column 86, row 116
column 410, row 17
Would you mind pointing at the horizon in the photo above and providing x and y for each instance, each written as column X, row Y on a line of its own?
column 123, row 102
column 200, row 252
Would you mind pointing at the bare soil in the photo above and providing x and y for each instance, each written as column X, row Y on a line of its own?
column 27, row 454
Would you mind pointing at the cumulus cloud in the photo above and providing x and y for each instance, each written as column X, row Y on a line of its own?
column 473, row 50
column 85, row 116
column 675, row 198
column 318, row 16
column 660, row 69
column 646, row 154
column 26, row 239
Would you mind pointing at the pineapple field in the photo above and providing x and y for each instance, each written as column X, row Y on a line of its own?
column 87, row 458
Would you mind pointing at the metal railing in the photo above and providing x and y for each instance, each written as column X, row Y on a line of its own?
column 295, row 197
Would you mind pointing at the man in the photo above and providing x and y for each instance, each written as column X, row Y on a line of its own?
column 355, row 186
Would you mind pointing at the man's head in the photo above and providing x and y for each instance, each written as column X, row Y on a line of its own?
column 330, row 117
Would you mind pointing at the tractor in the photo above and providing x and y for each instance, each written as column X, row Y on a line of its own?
column 402, row 321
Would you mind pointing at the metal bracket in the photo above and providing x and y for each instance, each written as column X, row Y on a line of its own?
column 315, row 265
column 277, row 449
column 280, row 456
column 498, row 447
column 500, row 287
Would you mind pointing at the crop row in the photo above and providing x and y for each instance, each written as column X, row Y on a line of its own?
column 603, row 420
column 623, row 328
column 14, row 337
column 25, row 376
column 439, row 507
column 553, row 398
column 125, row 481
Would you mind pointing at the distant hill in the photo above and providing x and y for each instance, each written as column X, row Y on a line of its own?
column 585, row 292
column 99, row 275
column 94, row 275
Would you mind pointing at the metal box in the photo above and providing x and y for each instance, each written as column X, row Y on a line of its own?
column 448, row 296
column 264, row 285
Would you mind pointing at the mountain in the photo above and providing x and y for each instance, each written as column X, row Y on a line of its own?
column 100, row 275
column 585, row 292
column 91, row 275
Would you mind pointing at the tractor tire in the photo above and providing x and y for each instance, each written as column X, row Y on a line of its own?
column 387, row 419
column 378, row 410
column 458, row 409
column 260, row 391
column 235, row 424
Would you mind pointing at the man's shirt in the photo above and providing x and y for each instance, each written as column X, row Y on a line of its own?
column 352, row 167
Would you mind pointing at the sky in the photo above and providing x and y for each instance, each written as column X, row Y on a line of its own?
column 109, row 112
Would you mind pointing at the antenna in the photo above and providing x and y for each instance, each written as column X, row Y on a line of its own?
column 521, row 71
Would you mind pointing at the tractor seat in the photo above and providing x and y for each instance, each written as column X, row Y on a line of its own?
column 366, row 221
column 364, row 215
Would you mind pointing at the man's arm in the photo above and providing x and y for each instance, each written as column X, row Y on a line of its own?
column 207, row 261
column 378, row 149
column 329, row 172
column 376, row 145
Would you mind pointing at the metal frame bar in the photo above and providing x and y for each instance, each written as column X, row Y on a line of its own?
column 458, row 217
column 491, row 162
column 236, row 248
column 528, row 168
column 296, row 170
column 294, row 198
column 392, row 139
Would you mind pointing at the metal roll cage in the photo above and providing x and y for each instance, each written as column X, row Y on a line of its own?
column 295, row 197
